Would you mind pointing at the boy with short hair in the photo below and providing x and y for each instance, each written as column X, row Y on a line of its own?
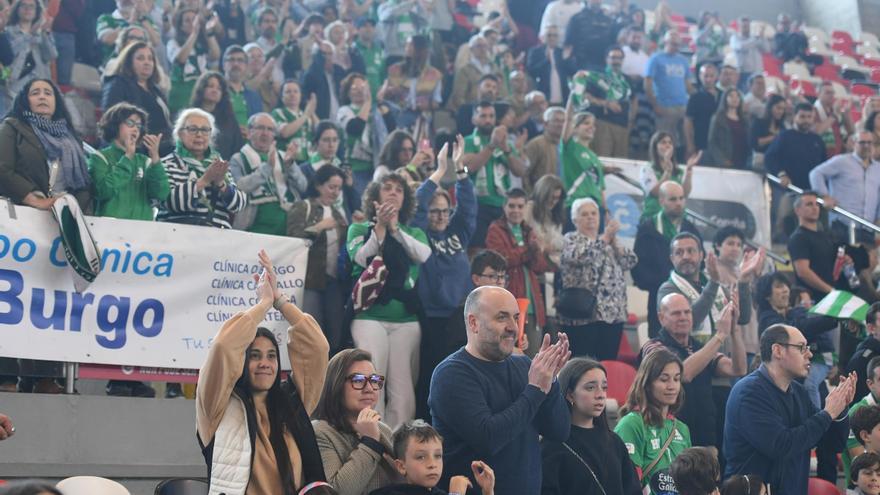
column 865, row 473
column 418, row 457
column 695, row 471
column 853, row 446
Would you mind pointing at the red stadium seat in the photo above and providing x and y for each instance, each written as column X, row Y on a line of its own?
column 625, row 352
column 620, row 379
column 677, row 18
column 805, row 87
column 875, row 75
column 842, row 37
column 818, row 486
column 843, row 47
column 862, row 90
column 870, row 62
column 772, row 66
column 829, row 72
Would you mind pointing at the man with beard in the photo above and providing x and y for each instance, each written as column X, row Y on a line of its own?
column 771, row 423
column 245, row 101
column 491, row 405
column 610, row 97
column 487, row 90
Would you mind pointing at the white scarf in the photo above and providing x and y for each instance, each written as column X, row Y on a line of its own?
column 703, row 330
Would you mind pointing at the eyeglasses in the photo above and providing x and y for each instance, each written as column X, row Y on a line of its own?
column 134, row 123
column 498, row 278
column 359, row 381
column 263, row 128
column 439, row 211
column 803, row 348
column 236, row 60
column 197, row 130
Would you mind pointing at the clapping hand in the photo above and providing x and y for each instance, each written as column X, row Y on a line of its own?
column 752, row 265
column 458, row 152
column 839, row 399
column 485, row 477
column 547, row 363
column 442, row 161
column 612, row 226
column 712, row 267
column 151, row 142
column 269, row 270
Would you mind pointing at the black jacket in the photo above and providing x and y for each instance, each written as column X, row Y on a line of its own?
column 867, row 349
column 653, row 251
column 538, row 66
column 590, row 33
column 315, row 82
column 121, row 88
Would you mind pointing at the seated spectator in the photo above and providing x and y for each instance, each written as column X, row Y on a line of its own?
column 418, row 457
column 864, row 418
column 764, row 130
column 743, row 484
column 711, row 38
column 192, row 51
column 416, row 88
column 245, row 101
column 868, row 349
column 323, row 151
column 136, row 82
column 398, row 20
column 202, row 189
column 444, row 281
column 516, row 241
column 469, row 77
column 542, row 151
column 652, row 435
column 270, row 177
column 389, row 328
column 487, row 90
column 211, row 94
column 653, row 246
column 774, row 306
column 660, row 168
column 322, row 79
column 510, row 399
column 493, row 165
column 592, row 459
column 545, row 214
column 366, row 128
column 29, row 31
column 728, row 143
column 755, row 102
column 36, row 131
column 127, row 13
column 399, row 155
column 865, row 473
column 703, row 362
column 488, row 267
column 582, row 172
column 353, row 441
column 295, row 122
column 241, row 378
column 596, row 264
column 701, row 106
column 696, row 472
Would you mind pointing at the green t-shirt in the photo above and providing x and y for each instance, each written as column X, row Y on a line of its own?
column 644, row 442
column 283, row 116
column 851, row 442
column 374, row 62
column 114, row 20
column 651, row 205
column 493, row 180
column 394, row 311
column 239, row 106
column 582, row 173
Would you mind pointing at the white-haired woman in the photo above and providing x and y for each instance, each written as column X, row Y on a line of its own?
column 594, row 264
column 202, row 189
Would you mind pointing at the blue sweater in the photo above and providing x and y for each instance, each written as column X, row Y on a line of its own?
column 445, row 279
column 770, row 432
column 487, row 411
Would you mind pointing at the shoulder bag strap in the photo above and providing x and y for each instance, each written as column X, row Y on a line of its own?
column 664, row 449
column 592, row 473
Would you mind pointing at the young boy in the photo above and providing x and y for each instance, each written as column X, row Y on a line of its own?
column 865, row 473
column 418, row 456
column 864, row 423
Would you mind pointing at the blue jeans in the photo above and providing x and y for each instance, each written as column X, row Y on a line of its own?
column 818, row 374
column 66, row 45
column 362, row 179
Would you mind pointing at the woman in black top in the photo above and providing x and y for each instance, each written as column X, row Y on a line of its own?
column 765, row 130
column 135, row 80
column 593, row 460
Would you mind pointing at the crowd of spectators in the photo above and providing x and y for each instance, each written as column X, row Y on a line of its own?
column 470, row 164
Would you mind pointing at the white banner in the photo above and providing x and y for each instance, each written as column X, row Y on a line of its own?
column 164, row 290
column 726, row 197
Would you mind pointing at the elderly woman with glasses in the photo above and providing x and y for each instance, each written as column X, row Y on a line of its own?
column 597, row 264
column 202, row 189
column 351, row 437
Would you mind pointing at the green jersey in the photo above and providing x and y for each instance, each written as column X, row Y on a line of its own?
column 851, row 442
column 582, row 173
column 126, row 187
column 491, row 182
column 644, row 443
column 374, row 62
column 284, row 116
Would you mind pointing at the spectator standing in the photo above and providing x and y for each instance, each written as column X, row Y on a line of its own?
column 511, row 399
column 653, row 246
column 211, row 94
column 701, row 107
column 868, row 349
column 545, row 214
column 593, row 460
column 245, row 101
column 232, row 19
column 635, row 58
column 65, row 30
column 764, row 130
column 192, row 51
column 711, row 39
column 488, row 91
column 772, row 424
column 661, row 168
column 648, row 427
column 127, row 13
column 400, row 19
column 295, row 122
column 399, row 155
column 755, row 102
column 557, row 14
column 833, row 122
column 514, row 239
column 813, row 253
column 749, row 50
column 790, row 43
column 322, row 79
column 371, row 52
column 350, row 433
column 323, row 152
column 543, row 151
column 667, row 85
column 389, row 329
column 589, row 33
column 549, row 64
column 365, row 128
column 468, row 78
column 29, row 31
column 598, row 264
column 417, row 88
column 610, row 98
column 582, row 172
column 728, row 143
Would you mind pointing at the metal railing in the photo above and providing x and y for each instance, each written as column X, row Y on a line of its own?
column 700, row 218
column 852, row 217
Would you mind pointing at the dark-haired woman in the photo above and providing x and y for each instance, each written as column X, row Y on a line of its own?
column 190, row 52
column 351, row 435
column 389, row 329
column 41, row 158
column 593, row 460
column 325, row 144
column 30, row 35
column 295, row 123
column 660, row 168
column 254, row 430
column 648, row 423
column 135, row 81
column 765, row 130
column 127, row 183
column 728, row 145
column 211, row 94
column 399, row 155
column 365, row 127
column 319, row 219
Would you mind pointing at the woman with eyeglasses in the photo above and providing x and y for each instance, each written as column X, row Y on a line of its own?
column 773, row 297
column 254, row 428
column 594, row 264
column 351, row 437
column 444, row 280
